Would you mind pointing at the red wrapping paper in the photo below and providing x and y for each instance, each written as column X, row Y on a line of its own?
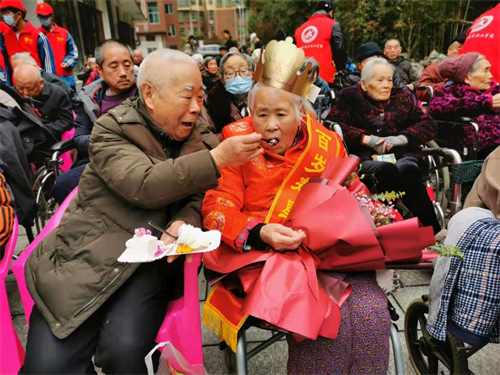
column 341, row 233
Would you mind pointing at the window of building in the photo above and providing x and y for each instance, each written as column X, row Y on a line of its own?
column 202, row 17
column 183, row 32
column 212, row 31
column 171, row 30
column 151, row 50
column 200, row 3
column 153, row 14
column 219, row 3
column 181, row 17
column 173, row 47
column 203, row 30
column 210, row 2
column 195, row 31
column 150, row 38
column 194, row 16
column 229, row 3
column 193, row 2
column 211, row 16
column 169, row 8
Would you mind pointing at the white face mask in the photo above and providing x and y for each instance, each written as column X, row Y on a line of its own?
column 10, row 20
column 46, row 21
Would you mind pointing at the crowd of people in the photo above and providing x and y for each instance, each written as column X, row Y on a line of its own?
column 218, row 143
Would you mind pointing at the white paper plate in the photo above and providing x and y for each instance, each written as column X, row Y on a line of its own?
column 204, row 242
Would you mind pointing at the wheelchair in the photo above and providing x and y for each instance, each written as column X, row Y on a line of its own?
column 43, row 181
column 236, row 363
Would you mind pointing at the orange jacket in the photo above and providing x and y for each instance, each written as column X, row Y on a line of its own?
column 6, row 213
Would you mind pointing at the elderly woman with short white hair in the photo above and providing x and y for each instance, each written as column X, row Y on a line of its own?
column 384, row 126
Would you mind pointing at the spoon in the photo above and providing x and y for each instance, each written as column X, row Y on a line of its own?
column 157, row 227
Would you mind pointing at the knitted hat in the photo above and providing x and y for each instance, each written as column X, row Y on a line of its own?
column 456, row 68
column 368, row 50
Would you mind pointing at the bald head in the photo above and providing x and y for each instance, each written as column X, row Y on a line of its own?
column 28, row 80
column 138, row 57
column 153, row 72
column 171, row 89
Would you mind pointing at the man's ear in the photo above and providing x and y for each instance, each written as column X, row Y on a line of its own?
column 99, row 70
column 147, row 95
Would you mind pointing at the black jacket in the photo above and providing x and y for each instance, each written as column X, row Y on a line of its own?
column 405, row 70
column 231, row 43
column 54, row 109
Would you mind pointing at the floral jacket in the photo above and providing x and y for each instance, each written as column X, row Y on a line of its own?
column 358, row 114
column 461, row 100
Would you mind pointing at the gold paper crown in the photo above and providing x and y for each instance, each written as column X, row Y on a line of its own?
column 278, row 67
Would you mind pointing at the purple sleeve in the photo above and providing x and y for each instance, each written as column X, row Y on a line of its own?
column 444, row 104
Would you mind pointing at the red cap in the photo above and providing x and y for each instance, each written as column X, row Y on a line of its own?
column 43, row 9
column 17, row 4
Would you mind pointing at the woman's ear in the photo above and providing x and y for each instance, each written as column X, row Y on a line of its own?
column 467, row 79
column 363, row 86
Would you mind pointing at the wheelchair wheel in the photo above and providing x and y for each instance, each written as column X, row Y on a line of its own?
column 427, row 355
column 43, row 182
column 439, row 179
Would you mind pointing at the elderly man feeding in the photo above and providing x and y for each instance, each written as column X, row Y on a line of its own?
column 148, row 162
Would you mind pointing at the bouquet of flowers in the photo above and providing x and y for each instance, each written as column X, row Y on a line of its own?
column 350, row 230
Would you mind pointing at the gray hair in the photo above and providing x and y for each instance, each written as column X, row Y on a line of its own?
column 207, row 60
column 198, row 57
column 230, row 54
column 392, row 40
column 369, row 68
column 314, row 66
column 99, row 51
column 473, row 68
column 152, row 69
column 301, row 106
column 26, row 57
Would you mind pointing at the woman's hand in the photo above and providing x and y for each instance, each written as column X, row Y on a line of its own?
column 496, row 101
column 281, row 238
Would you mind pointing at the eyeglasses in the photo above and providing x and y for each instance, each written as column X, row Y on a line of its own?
column 243, row 72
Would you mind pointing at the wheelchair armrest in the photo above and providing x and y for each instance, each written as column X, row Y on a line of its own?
column 63, row 146
column 443, row 152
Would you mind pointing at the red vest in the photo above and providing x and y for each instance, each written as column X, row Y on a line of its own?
column 58, row 39
column 314, row 38
column 27, row 42
column 484, row 37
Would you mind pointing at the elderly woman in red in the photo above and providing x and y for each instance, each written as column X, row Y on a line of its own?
column 340, row 325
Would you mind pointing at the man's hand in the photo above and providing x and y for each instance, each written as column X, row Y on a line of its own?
column 411, row 87
column 64, row 65
column 173, row 229
column 281, row 238
column 496, row 101
column 236, row 151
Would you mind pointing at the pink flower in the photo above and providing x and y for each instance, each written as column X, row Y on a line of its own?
column 139, row 232
column 159, row 251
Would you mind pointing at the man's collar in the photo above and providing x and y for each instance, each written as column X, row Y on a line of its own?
column 322, row 12
column 153, row 126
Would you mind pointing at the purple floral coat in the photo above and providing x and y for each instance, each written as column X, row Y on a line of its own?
column 461, row 100
column 358, row 114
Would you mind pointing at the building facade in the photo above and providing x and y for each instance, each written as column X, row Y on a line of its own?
column 170, row 23
column 92, row 21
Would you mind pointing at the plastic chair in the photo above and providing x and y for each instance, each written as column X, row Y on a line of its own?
column 11, row 350
column 18, row 266
column 66, row 157
column 182, row 323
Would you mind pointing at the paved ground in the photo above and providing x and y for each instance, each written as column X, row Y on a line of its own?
column 273, row 359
